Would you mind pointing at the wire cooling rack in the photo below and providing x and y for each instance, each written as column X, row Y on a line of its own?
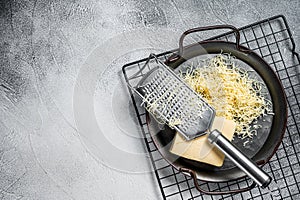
column 271, row 39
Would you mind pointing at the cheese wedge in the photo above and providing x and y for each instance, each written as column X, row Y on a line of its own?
column 200, row 149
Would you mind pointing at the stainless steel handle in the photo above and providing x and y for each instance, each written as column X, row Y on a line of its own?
column 249, row 167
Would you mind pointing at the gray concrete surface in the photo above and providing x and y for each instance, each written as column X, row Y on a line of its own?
column 60, row 65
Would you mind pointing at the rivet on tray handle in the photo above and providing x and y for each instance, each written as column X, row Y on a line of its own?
column 175, row 57
column 194, row 176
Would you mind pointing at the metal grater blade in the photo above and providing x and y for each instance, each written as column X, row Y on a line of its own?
column 170, row 100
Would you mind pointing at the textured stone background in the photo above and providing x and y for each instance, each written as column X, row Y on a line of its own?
column 44, row 45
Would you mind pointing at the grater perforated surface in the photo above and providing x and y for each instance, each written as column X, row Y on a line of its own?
column 171, row 101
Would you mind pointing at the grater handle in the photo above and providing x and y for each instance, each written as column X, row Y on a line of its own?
column 248, row 166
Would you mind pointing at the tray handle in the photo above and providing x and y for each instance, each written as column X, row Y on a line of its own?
column 206, row 28
column 193, row 175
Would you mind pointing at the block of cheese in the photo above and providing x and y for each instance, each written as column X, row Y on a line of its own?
column 200, row 149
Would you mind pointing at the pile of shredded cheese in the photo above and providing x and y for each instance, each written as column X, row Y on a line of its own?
column 231, row 91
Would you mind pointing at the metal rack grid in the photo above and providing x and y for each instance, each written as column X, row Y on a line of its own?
column 272, row 39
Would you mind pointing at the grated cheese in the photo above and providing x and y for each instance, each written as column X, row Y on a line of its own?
column 231, row 91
